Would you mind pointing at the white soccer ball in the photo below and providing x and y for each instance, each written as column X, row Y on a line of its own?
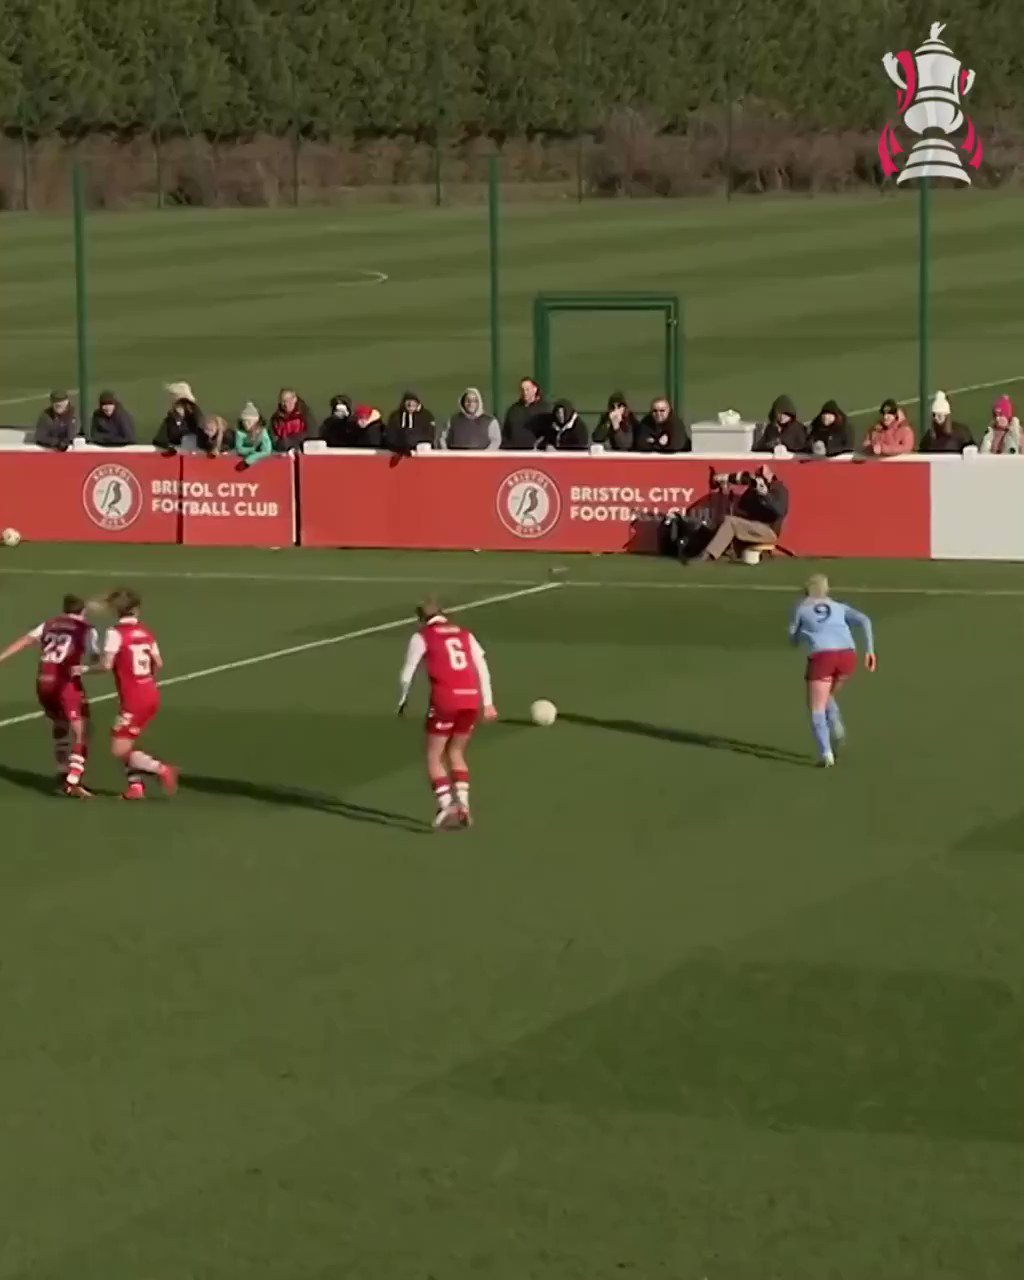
column 543, row 712
column 11, row 537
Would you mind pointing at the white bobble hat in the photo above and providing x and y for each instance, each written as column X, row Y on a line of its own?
column 940, row 405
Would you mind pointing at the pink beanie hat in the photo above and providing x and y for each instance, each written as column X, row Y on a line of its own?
column 1003, row 407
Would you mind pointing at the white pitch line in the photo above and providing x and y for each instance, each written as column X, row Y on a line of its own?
column 954, row 391
column 310, row 645
column 683, row 584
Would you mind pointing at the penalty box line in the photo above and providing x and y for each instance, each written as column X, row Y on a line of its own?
column 310, row 645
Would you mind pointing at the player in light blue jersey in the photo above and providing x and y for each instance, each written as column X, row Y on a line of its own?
column 823, row 625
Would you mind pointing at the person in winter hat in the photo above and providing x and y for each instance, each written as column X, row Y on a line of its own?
column 617, row 426
column 471, row 426
column 943, row 434
column 409, row 426
column 57, row 425
column 337, row 429
column 1003, row 434
column 892, row 435
column 564, row 428
column 830, row 433
column 112, row 426
column 782, row 427
column 252, row 439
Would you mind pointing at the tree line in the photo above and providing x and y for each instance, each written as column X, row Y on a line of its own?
column 322, row 68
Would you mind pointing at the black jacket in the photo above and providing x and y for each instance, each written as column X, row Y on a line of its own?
column 339, row 433
column 113, row 432
column 655, row 436
column 173, row 430
column 563, row 428
column 56, row 430
column 953, row 440
column 838, row 438
column 770, row 508
column 523, row 424
column 792, row 435
column 404, row 430
column 620, row 439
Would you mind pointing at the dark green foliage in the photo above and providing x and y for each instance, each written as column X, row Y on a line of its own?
column 303, row 68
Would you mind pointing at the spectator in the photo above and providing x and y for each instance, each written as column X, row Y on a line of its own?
column 944, row 435
column 524, row 418
column 112, row 426
column 1003, row 434
column 369, row 429
column 472, row 427
column 183, row 419
column 830, row 433
column 213, row 439
column 783, row 427
column 57, row 425
column 616, row 429
column 291, row 423
column 252, row 439
column 891, row 435
column 661, row 430
column 758, row 515
column 338, row 428
column 564, row 429
column 409, row 426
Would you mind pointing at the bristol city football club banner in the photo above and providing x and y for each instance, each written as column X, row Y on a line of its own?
column 576, row 502
column 223, row 507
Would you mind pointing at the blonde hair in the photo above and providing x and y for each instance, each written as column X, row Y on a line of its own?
column 217, row 422
column 817, row 586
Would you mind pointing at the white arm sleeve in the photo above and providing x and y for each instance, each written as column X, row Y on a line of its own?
column 413, row 657
column 483, row 670
column 36, row 634
column 112, row 642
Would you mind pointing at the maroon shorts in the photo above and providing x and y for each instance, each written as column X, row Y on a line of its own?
column 131, row 720
column 830, row 664
column 444, row 723
column 63, row 704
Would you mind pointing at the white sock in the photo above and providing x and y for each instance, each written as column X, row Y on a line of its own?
column 139, row 762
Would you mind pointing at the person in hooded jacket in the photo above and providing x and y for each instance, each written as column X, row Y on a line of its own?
column 830, row 433
column 409, row 426
column 661, row 430
column 944, row 435
column 892, row 435
column 111, row 426
column 471, row 427
column 337, row 429
column 1004, row 432
column 616, row 429
column 291, row 423
column 525, row 417
column 782, row 427
column 184, row 418
column 564, row 429
column 57, row 425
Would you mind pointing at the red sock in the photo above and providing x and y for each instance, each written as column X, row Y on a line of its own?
column 460, row 780
column 442, row 791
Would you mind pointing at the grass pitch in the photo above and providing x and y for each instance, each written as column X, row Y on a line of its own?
column 679, row 1006
column 817, row 298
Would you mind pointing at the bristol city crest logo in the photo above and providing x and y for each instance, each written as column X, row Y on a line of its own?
column 529, row 503
column 112, row 497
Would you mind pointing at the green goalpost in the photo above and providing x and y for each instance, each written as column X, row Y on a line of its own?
column 547, row 305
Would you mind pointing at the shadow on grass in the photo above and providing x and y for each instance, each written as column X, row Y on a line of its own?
column 299, row 798
column 45, row 784
column 691, row 738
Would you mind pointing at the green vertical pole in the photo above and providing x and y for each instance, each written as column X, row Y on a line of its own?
column 438, row 117
column 81, row 300
column 923, row 299
column 494, row 243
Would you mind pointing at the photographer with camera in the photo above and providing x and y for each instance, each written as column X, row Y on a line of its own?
column 757, row 515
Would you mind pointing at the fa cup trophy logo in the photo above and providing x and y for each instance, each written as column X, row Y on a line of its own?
column 932, row 85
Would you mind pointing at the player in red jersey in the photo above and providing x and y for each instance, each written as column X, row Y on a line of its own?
column 460, row 692
column 66, row 643
column 131, row 652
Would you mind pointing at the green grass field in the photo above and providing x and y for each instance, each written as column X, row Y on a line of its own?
column 680, row 1006
column 813, row 297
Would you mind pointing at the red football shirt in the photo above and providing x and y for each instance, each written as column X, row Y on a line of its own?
column 455, row 663
column 136, row 660
column 66, row 643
